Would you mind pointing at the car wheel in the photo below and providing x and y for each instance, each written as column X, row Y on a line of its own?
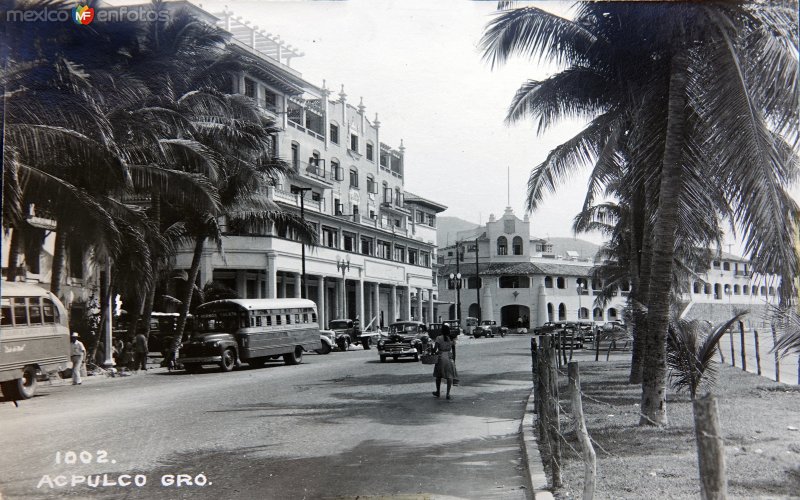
column 325, row 349
column 383, row 358
column 228, row 360
column 365, row 341
column 193, row 367
column 294, row 358
column 21, row 388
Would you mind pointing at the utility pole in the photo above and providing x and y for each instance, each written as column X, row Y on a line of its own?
column 478, row 283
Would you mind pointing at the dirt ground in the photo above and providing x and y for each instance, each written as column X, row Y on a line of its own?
column 759, row 419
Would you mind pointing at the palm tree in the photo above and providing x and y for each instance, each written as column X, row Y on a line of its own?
column 700, row 66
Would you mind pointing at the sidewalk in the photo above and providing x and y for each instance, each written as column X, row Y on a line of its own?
column 530, row 449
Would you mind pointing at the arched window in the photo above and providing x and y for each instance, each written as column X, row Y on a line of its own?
column 502, row 246
column 737, row 290
column 387, row 193
column 727, row 289
column 707, row 288
column 372, row 186
column 562, row 312
column 772, row 291
column 745, row 290
column 561, row 282
column 548, row 282
column 474, row 310
column 582, row 283
column 583, row 313
column 764, row 291
column 696, row 287
column 717, row 291
column 550, row 312
column 612, row 314
column 597, row 285
column 517, row 245
column 597, row 314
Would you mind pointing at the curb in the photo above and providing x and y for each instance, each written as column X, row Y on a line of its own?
column 531, row 452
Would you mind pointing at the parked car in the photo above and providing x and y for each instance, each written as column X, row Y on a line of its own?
column 405, row 339
column 470, row 323
column 548, row 327
column 348, row 331
column 489, row 328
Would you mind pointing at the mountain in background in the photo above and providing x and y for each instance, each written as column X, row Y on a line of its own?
column 448, row 227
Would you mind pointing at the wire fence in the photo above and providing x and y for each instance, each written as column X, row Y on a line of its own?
column 750, row 348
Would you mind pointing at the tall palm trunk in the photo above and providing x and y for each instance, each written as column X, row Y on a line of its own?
column 194, row 270
column 642, row 297
column 59, row 262
column 654, row 402
column 150, row 293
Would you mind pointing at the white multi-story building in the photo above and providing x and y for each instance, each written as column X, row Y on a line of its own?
column 550, row 279
column 377, row 242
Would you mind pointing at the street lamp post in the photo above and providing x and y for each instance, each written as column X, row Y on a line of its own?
column 343, row 265
column 455, row 282
column 302, row 192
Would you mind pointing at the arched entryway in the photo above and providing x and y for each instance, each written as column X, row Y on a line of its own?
column 511, row 314
column 474, row 311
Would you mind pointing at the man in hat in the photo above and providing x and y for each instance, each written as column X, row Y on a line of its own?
column 78, row 352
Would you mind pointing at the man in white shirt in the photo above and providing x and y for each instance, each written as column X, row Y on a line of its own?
column 78, row 353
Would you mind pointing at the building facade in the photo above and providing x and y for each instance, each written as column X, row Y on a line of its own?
column 376, row 247
column 509, row 276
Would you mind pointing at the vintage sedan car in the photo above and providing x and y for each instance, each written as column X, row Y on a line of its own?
column 405, row 339
column 328, row 340
column 489, row 328
column 348, row 331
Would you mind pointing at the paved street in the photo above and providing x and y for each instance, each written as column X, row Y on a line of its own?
column 339, row 425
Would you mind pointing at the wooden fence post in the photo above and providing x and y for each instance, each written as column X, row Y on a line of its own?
column 597, row 345
column 733, row 352
column 548, row 407
column 741, row 341
column 758, row 352
column 710, row 449
column 777, row 357
column 587, row 450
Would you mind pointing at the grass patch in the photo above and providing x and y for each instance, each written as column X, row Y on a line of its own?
column 762, row 453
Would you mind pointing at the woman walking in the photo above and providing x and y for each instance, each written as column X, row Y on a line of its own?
column 444, row 368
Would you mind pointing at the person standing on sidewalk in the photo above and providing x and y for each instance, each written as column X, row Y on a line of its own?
column 140, row 352
column 444, row 368
column 77, row 354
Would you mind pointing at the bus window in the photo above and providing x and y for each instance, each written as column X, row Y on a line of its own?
column 269, row 321
column 20, row 311
column 50, row 311
column 313, row 317
column 288, row 319
column 297, row 318
column 6, row 311
column 305, row 317
column 277, row 319
column 35, row 311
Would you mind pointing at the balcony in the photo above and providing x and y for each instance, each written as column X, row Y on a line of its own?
column 313, row 174
column 294, row 200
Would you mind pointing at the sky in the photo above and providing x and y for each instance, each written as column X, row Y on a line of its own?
column 417, row 64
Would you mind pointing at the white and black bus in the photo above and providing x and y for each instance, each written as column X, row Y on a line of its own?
column 254, row 331
column 34, row 338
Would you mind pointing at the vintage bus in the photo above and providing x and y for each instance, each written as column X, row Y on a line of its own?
column 34, row 338
column 254, row 331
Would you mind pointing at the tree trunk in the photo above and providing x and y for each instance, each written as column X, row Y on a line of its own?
column 15, row 248
column 654, row 402
column 642, row 296
column 187, row 298
column 150, row 296
column 59, row 262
